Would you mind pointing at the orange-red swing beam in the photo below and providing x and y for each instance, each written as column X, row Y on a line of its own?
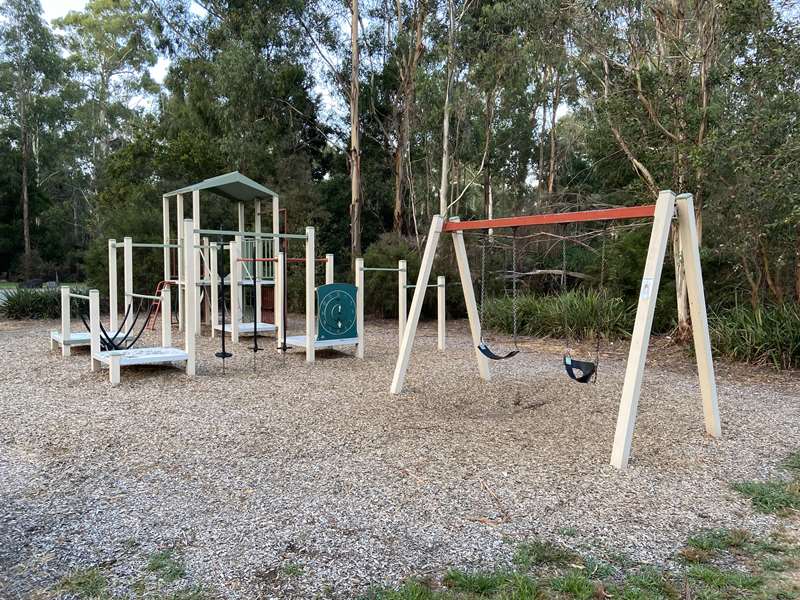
column 604, row 214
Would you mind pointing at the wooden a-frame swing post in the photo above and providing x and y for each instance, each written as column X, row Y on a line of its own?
column 662, row 212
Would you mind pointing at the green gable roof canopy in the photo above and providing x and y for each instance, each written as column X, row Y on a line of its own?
column 233, row 186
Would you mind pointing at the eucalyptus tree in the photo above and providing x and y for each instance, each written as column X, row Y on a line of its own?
column 30, row 73
column 111, row 48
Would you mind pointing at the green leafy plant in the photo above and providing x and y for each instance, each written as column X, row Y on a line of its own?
column 23, row 303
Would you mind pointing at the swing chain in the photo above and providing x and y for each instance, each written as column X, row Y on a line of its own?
column 514, row 284
column 483, row 283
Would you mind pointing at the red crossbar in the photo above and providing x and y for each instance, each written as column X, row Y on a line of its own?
column 605, row 214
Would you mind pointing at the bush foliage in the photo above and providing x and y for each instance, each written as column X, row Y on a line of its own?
column 767, row 336
column 24, row 303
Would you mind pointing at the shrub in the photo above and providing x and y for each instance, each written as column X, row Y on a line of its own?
column 23, row 303
column 767, row 336
column 381, row 287
column 578, row 314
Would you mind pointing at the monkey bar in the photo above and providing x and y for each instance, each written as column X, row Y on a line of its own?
column 687, row 257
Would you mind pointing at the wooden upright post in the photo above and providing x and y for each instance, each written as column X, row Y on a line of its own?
column 310, row 292
column 94, row 329
column 196, row 257
column 280, row 269
column 127, row 271
column 191, row 295
column 634, row 370
column 214, row 284
column 181, row 259
column 113, row 310
column 167, row 249
column 690, row 245
column 258, row 267
column 235, row 277
column 65, row 320
column 402, row 299
column 440, row 312
column 166, row 317
column 475, row 324
column 410, row 331
column 328, row 269
column 360, row 307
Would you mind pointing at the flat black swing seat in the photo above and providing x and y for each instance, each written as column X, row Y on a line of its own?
column 587, row 369
column 484, row 349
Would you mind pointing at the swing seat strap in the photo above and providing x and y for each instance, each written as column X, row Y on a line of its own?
column 586, row 369
column 484, row 349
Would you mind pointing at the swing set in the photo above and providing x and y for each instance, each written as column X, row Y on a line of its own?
column 577, row 370
column 687, row 257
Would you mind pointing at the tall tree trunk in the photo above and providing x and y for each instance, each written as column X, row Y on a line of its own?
column 797, row 262
column 355, row 145
column 487, row 170
column 399, row 182
column 26, row 216
column 445, row 178
column 551, row 169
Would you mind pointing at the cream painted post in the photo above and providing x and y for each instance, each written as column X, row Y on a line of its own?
column 214, row 282
column 181, row 260
column 191, row 296
column 360, row 307
column 634, row 369
column 113, row 311
column 402, row 298
column 279, row 295
column 475, row 324
column 166, row 317
column 310, row 292
column 65, row 306
column 94, row 329
column 690, row 245
column 440, row 312
column 205, row 275
column 416, row 305
column 258, row 243
column 114, row 368
column 276, row 247
column 235, row 276
column 167, row 249
column 196, row 257
column 328, row 269
column 127, row 270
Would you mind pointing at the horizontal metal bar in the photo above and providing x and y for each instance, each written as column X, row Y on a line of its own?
column 429, row 285
column 145, row 296
column 250, row 234
column 149, row 245
column 79, row 296
column 393, row 269
column 605, row 214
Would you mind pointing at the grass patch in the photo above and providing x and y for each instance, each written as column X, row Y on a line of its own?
column 292, row 570
column 166, row 566
column 88, row 583
column 720, row 579
column 575, row 584
column 479, row 583
column 538, row 552
column 771, row 496
column 793, row 463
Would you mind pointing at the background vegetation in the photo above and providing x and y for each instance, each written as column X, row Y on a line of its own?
column 483, row 106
